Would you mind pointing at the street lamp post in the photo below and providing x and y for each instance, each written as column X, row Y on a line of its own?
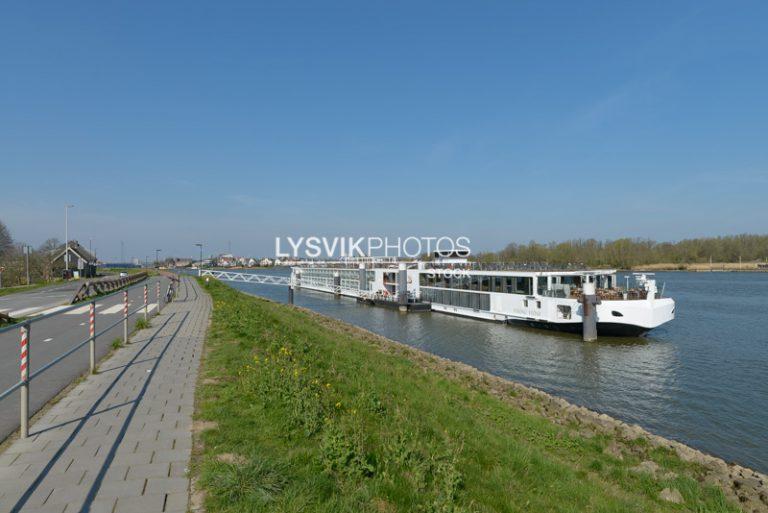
column 66, row 236
column 157, row 257
column 200, row 263
column 27, row 248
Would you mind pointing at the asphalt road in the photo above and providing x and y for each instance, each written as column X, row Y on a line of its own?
column 33, row 302
column 55, row 335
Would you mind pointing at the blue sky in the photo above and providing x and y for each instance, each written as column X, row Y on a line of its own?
column 502, row 121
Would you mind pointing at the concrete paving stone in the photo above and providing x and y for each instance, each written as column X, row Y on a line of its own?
column 154, row 445
column 137, row 458
column 8, row 459
column 26, row 446
column 35, row 457
column 47, row 508
column 117, row 473
column 144, row 504
column 177, row 501
column 167, row 484
column 99, row 505
column 150, row 470
column 67, row 494
column 179, row 469
column 128, row 488
column 9, row 473
column 66, row 479
column 168, row 456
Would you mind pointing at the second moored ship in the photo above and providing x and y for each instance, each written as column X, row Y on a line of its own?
column 584, row 301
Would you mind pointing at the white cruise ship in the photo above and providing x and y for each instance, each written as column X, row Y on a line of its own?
column 530, row 295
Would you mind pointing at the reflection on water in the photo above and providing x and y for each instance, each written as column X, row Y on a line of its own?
column 700, row 379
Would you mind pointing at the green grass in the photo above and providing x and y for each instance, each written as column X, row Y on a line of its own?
column 314, row 417
column 142, row 324
column 24, row 288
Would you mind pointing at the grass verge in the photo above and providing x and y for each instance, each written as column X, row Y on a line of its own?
column 300, row 415
column 5, row 291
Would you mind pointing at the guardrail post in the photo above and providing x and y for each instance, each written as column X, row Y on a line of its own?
column 146, row 308
column 24, row 367
column 158, row 296
column 125, row 316
column 92, row 336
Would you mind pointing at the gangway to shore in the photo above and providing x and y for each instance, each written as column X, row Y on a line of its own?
column 262, row 279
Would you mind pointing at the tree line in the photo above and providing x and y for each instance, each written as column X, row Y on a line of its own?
column 13, row 261
column 626, row 253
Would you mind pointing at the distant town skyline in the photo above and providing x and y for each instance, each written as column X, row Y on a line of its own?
column 506, row 122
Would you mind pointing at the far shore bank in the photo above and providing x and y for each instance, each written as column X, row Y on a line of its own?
column 705, row 267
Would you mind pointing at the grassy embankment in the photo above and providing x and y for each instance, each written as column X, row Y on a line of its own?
column 299, row 413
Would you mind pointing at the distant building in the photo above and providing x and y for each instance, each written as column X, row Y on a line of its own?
column 80, row 260
column 265, row 262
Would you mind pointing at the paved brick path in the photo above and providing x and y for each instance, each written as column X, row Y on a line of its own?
column 120, row 441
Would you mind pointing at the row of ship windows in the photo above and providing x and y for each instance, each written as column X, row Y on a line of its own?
column 457, row 298
column 505, row 284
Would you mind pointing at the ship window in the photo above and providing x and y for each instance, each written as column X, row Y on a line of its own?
column 475, row 282
column 525, row 303
column 485, row 283
column 563, row 312
column 497, row 284
column 523, row 286
column 538, row 304
column 617, row 314
column 508, row 288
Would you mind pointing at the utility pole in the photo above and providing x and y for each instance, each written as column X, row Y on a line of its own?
column 27, row 247
column 157, row 257
column 66, row 236
column 200, row 263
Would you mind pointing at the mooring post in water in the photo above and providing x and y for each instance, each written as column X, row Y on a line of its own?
column 402, row 286
column 336, row 283
column 363, row 285
column 589, row 300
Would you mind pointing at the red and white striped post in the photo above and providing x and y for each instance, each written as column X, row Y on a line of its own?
column 158, row 296
column 125, row 317
column 24, row 368
column 92, row 336
column 146, row 306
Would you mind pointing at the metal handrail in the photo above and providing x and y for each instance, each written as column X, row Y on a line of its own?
column 59, row 358
column 24, row 383
column 67, row 309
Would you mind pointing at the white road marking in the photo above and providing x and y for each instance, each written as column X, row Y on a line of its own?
column 53, row 310
column 47, row 340
column 81, row 310
column 114, row 309
column 82, row 324
column 23, row 311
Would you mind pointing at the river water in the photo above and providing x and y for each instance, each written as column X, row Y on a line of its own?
column 701, row 379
